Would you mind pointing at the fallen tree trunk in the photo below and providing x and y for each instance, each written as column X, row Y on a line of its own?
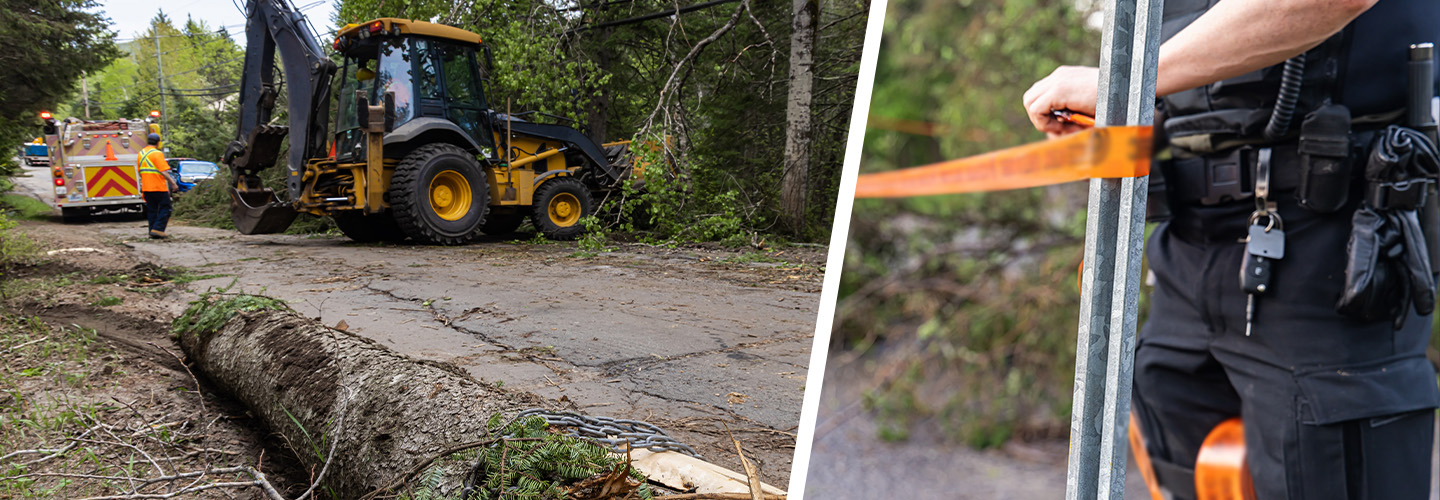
column 296, row 376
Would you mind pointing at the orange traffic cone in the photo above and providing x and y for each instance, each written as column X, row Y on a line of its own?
column 110, row 151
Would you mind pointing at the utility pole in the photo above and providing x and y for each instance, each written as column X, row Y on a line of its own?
column 160, row 81
column 85, row 92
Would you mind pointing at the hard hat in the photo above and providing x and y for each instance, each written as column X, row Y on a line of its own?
column 152, row 139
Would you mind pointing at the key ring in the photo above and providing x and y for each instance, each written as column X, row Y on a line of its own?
column 1275, row 222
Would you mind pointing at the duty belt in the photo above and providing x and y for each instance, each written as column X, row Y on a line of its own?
column 1215, row 179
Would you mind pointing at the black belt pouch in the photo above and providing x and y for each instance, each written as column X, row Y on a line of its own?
column 1325, row 159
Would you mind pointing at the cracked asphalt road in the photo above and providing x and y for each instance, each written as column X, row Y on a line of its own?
column 686, row 338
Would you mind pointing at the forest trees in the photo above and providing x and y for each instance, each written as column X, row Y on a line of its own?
column 192, row 79
column 48, row 46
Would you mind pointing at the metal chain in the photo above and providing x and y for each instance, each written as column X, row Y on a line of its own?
column 613, row 432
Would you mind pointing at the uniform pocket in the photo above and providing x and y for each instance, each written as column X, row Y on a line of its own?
column 1387, row 387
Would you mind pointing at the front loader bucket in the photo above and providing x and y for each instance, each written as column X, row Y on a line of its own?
column 259, row 212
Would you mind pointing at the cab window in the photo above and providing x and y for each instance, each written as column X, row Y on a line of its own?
column 428, row 79
column 394, row 76
column 460, row 81
column 349, row 83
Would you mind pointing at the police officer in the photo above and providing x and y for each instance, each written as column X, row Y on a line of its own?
column 1336, row 404
column 156, row 184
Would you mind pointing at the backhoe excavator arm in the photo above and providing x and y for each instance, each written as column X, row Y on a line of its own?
column 276, row 26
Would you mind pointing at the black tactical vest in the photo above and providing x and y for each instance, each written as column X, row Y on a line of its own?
column 1362, row 67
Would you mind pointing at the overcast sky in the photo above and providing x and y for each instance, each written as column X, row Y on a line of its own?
column 132, row 17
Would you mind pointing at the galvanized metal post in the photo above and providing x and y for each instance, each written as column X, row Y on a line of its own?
column 1114, row 242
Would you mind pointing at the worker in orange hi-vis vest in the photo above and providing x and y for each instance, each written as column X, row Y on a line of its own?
column 156, row 184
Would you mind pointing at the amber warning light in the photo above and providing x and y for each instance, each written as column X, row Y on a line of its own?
column 45, row 115
column 154, row 113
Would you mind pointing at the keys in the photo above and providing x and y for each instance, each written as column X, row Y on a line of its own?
column 1255, row 274
column 1265, row 244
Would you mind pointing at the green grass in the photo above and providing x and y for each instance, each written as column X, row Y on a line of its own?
column 109, row 279
column 24, row 207
column 107, row 301
column 185, row 277
column 16, row 247
column 537, row 239
column 56, row 382
column 10, row 288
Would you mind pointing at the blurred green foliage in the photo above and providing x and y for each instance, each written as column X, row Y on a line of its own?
column 48, row 47
column 982, row 287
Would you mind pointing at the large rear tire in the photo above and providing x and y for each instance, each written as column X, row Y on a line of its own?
column 363, row 228
column 560, row 204
column 439, row 195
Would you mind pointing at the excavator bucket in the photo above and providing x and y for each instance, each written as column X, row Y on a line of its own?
column 259, row 212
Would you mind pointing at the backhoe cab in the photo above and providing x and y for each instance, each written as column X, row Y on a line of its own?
column 416, row 150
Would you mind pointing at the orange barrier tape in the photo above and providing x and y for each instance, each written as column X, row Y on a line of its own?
column 1096, row 153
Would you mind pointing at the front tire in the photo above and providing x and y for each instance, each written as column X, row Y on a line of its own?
column 560, row 204
column 438, row 195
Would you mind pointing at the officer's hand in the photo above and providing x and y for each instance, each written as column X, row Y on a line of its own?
column 1068, row 87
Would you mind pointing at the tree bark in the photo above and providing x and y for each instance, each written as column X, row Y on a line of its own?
column 599, row 116
column 294, row 375
column 795, row 177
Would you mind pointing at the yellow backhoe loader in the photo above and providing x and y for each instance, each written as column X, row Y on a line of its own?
column 416, row 150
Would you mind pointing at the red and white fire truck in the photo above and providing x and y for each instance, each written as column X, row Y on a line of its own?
column 92, row 164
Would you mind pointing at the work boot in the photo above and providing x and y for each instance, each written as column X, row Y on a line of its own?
column 158, row 235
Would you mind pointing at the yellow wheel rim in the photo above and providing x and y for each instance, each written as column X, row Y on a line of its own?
column 450, row 196
column 564, row 209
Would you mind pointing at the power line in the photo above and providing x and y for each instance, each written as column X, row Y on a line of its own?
column 221, row 31
column 202, row 44
column 207, row 66
column 237, row 58
column 230, row 86
column 656, row 15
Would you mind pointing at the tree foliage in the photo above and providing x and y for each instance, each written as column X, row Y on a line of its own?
column 193, row 80
column 979, row 288
column 48, row 46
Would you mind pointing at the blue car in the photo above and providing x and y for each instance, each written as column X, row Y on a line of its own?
column 193, row 172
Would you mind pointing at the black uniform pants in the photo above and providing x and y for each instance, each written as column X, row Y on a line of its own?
column 1334, row 408
column 157, row 209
